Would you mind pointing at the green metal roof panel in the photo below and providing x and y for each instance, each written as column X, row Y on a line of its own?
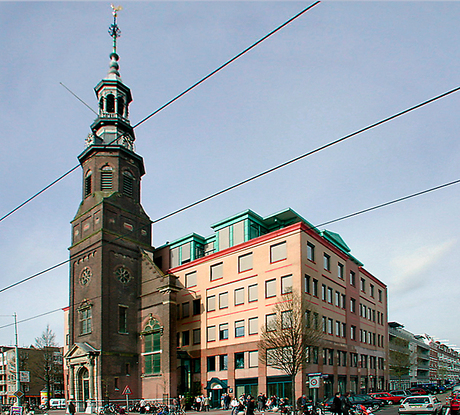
column 336, row 240
column 246, row 214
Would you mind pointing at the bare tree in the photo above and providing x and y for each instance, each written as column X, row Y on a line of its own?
column 49, row 368
column 289, row 334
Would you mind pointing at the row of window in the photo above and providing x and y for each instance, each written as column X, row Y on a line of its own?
column 106, row 181
column 239, row 329
column 341, row 272
column 278, row 252
column 241, row 361
column 342, row 358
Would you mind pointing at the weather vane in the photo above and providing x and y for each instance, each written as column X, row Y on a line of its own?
column 114, row 30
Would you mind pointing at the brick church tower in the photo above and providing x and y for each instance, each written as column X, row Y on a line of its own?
column 120, row 302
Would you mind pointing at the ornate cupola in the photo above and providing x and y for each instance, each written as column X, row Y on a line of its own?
column 112, row 126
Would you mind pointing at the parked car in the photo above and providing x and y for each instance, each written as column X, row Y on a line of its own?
column 421, row 404
column 401, row 392
column 419, row 391
column 453, row 402
column 367, row 401
column 387, row 397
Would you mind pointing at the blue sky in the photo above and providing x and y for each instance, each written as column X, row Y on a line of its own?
column 335, row 70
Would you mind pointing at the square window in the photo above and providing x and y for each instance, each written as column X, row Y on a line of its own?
column 239, row 360
column 278, row 252
column 217, row 271
column 223, row 300
column 352, row 305
column 337, row 299
column 330, row 327
column 196, row 336
column 270, row 322
column 380, row 295
column 211, row 360
column 337, row 328
column 286, row 284
column 310, row 252
column 223, row 362
column 239, row 296
column 211, row 333
column 253, row 358
column 223, row 331
column 245, row 262
column 239, row 328
column 253, row 325
column 270, row 288
column 327, row 262
column 252, row 293
column 211, row 303
column 190, row 280
column 122, row 319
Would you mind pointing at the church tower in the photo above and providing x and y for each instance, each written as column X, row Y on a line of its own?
column 111, row 236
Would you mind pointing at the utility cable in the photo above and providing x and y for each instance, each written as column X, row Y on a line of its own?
column 359, row 212
column 165, row 105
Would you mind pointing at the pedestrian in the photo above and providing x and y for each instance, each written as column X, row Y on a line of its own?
column 337, row 404
column 71, row 408
column 182, row 403
column 234, row 406
column 346, row 404
column 206, row 404
column 250, row 406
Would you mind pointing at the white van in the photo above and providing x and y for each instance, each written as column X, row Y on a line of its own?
column 57, row 403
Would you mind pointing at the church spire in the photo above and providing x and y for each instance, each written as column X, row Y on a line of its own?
column 112, row 126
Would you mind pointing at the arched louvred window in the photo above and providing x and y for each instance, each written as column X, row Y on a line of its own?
column 110, row 103
column 128, row 183
column 120, row 106
column 101, row 104
column 88, row 188
column 106, row 177
column 152, row 347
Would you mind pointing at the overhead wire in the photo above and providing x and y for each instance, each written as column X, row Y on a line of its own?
column 360, row 212
column 165, row 105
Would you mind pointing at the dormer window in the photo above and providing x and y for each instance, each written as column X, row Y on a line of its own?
column 88, row 183
column 110, row 103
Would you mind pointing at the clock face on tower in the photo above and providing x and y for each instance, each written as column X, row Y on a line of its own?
column 85, row 276
column 123, row 275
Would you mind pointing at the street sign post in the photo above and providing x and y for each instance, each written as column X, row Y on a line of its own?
column 127, row 391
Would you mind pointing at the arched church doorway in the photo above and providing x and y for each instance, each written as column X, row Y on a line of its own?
column 82, row 391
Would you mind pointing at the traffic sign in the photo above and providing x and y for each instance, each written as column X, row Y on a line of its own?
column 19, row 394
column 127, row 391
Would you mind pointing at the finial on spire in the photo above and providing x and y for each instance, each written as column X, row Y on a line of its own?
column 114, row 32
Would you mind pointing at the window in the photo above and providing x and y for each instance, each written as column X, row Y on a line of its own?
column 122, row 319
column 340, row 270
column 329, row 295
column 253, row 358
column 371, row 288
column 120, row 106
column 337, row 328
column 211, row 303
column 352, row 279
column 128, row 183
column 314, row 355
column 223, row 300
column 330, row 357
column 185, row 310
column 85, row 319
column 239, row 360
column 239, row 296
column 196, row 307
column 307, row 284
column 224, row 238
column 310, row 252
column 315, row 287
column 363, row 285
column 223, row 362
column 353, row 332
column 270, row 322
column 323, row 292
column 337, row 299
column 380, row 295
column 239, row 328
column 196, row 336
column 327, row 262
column 106, row 178
column 286, row 319
column 110, row 103
column 185, row 254
column 344, row 330
column 88, row 184
column 286, row 284
column 352, row 305
column 308, row 318
column 211, row 333
column 238, row 233
column 245, row 262
column 278, row 252
column 185, row 338
column 270, row 288
column 330, row 326
column 174, row 255
column 211, row 363
column 252, row 293
column 324, row 325
column 152, row 347
column 223, row 331
column 253, row 325
column 217, row 271
column 344, row 301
